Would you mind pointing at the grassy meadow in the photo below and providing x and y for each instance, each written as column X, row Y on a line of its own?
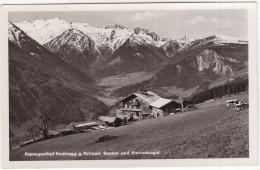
column 211, row 131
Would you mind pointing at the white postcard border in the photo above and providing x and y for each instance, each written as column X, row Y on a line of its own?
column 253, row 117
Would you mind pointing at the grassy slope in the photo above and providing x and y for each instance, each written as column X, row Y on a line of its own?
column 212, row 131
column 117, row 81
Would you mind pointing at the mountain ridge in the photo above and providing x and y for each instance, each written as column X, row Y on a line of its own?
column 37, row 77
column 109, row 41
column 75, row 48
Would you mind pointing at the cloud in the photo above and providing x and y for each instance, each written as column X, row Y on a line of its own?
column 147, row 15
column 196, row 20
column 226, row 20
column 117, row 19
column 213, row 20
column 202, row 20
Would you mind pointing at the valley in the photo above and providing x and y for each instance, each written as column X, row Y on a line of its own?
column 81, row 71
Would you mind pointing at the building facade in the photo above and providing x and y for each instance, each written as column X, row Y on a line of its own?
column 163, row 107
column 146, row 104
column 136, row 104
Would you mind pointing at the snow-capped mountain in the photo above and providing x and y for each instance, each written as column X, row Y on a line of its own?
column 132, row 56
column 19, row 38
column 219, row 40
column 75, row 48
column 108, row 44
column 150, row 36
column 174, row 46
column 110, row 36
column 200, row 64
column 115, row 49
column 223, row 39
column 44, row 30
column 204, row 60
column 221, row 54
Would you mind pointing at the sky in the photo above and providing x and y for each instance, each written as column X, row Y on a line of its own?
column 173, row 24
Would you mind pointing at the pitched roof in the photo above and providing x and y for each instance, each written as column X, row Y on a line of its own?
column 78, row 123
column 65, row 129
column 122, row 117
column 86, row 124
column 148, row 97
column 107, row 119
column 53, row 132
column 131, row 109
column 160, row 102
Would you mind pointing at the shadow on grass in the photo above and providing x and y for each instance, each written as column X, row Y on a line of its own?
column 105, row 138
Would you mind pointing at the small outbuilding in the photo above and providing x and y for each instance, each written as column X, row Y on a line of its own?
column 186, row 103
column 66, row 131
column 162, row 107
column 85, row 125
column 54, row 133
column 110, row 121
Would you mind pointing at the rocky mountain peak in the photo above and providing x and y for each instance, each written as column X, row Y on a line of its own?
column 74, row 31
column 75, row 48
column 15, row 34
column 152, row 34
column 114, row 26
column 224, row 39
column 21, row 39
column 71, row 37
column 186, row 39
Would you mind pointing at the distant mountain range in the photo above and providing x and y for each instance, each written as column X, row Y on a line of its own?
column 112, row 49
column 59, row 62
column 109, row 49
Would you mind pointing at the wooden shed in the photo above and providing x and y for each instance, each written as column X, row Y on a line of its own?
column 110, row 121
column 162, row 107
